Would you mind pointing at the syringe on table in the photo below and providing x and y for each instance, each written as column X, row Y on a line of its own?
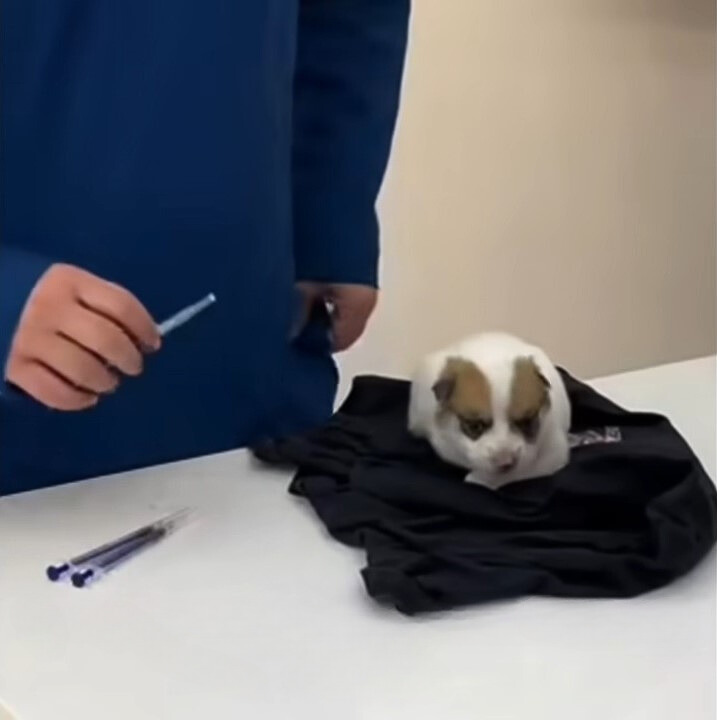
column 93, row 564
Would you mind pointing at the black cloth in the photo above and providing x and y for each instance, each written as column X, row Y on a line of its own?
column 621, row 519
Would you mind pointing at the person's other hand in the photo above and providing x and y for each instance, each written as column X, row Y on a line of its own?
column 76, row 334
column 351, row 307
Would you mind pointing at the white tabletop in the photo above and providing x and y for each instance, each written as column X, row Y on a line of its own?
column 253, row 612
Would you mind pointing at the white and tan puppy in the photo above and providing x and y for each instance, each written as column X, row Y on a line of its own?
column 494, row 405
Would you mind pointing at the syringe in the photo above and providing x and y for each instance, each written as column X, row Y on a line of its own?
column 102, row 564
column 185, row 315
column 58, row 571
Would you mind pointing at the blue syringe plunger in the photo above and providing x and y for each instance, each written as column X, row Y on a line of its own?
column 185, row 315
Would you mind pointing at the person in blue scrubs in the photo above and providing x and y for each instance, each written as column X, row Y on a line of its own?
column 154, row 151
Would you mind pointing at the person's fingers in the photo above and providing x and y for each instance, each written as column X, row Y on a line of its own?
column 76, row 333
column 103, row 338
column 123, row 308
column 347, row 328
column 348, row 322
column 46, row 387
column 76, row 365
column 353, row 305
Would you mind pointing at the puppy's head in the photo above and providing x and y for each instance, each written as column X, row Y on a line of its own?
column 493, row 415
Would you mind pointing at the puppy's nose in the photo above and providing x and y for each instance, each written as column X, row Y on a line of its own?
column 504, row 461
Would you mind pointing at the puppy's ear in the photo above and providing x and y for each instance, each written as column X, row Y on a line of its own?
column 529, row 392
column 540, row 375
column 443, row 388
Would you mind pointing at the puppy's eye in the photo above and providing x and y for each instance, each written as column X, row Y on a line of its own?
column 474, row 428
column 527, row 427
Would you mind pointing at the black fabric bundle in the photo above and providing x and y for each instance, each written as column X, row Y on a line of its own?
column 623, row 518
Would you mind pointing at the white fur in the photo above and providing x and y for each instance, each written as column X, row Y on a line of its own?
column 495, row 355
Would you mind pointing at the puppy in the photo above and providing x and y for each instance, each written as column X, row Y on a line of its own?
column 494, row 405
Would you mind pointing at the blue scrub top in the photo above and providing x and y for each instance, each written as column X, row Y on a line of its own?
column 181, row 147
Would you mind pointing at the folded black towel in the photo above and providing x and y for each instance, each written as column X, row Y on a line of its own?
column 624, row 517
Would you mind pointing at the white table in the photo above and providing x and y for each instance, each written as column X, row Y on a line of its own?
column 253, row 612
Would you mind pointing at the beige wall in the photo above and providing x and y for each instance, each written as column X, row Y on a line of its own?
column 553, row 175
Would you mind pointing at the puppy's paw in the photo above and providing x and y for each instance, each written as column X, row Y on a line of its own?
column 474, row 478
column 491, row 482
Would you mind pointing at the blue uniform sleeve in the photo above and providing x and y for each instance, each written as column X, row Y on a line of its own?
column 19, row 271
column 350, row 60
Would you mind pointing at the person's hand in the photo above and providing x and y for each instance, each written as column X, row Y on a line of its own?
column 351, row 307
column 77, row 333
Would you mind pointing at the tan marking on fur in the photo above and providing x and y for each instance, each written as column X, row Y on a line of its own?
column 528, row 393
column 470, row 396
